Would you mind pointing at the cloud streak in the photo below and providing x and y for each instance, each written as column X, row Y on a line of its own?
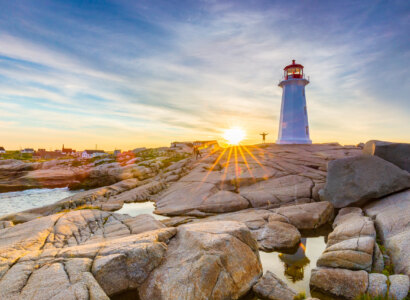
column 127, row 74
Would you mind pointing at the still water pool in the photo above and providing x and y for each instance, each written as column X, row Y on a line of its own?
column 139, row 208
column 295, row 269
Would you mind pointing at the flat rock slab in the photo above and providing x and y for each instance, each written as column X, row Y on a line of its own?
column 267, row 177
column 271, row 287
column 352, row 242
column 275, row 192
column 357, row 180
column 340, row 282
column 391, row 216
column 307, row 216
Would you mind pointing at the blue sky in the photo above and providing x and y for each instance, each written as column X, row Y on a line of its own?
column 123, row 74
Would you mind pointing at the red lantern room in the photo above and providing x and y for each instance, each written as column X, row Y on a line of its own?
column 293, row 71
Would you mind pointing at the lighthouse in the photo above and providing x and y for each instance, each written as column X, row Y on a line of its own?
column 293, row 124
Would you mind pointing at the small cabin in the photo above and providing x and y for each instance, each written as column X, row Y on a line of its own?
column 27, row 151
column 93, row 153
column 293, row 71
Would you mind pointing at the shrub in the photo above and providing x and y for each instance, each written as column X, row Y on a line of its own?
column 300, row 296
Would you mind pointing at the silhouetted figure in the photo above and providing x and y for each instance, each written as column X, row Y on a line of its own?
column 196, row 152
column 263, row 134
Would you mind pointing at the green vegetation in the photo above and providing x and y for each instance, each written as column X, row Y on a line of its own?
column 148, row 154
column 108, row 161
column 17, row 155
column 172, row 159
column 300, row 296
column 82, row 207
column 76, row 163
column 369, row 297
column 388, row 268
column 366, row 296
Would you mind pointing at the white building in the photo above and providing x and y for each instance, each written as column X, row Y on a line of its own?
column 2, row 150
column 92, row 153
column 27, row 150
column 293, row 124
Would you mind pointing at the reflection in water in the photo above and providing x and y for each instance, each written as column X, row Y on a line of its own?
column 295, row 269
column 295, row 263
column 139, row 208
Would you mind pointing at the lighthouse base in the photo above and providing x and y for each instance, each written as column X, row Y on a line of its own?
column 293, row 141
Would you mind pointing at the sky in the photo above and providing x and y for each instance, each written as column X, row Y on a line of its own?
column 126, row 74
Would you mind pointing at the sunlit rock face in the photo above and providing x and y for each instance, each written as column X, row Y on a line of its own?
column 266, row 177
column 90, row 254
column 71, row 255
column 206, row 260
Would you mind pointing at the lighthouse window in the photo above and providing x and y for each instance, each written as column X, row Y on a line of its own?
column 307, row 129
column 305, row 109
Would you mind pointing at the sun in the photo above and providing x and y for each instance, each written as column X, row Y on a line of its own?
column 234, row 135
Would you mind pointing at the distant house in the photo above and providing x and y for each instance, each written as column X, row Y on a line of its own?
column 2, row 150
column 117, row 152
column 93, row 153
column 43, row 154
column 27, row 151
column 67, row 151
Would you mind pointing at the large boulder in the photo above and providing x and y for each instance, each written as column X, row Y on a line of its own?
column 340, row 282
column 356, row 180
column 206, row 260
column 391, row 216
column 277, row 235
column 396, row 153
column 271, row 287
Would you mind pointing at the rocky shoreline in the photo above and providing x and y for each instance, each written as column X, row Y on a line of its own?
column 223, row 209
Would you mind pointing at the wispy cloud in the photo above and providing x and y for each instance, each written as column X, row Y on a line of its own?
column 126, row 74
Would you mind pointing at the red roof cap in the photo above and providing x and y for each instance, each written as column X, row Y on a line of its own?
column 293, row 65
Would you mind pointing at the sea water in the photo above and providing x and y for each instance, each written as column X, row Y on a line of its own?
column 13, row 202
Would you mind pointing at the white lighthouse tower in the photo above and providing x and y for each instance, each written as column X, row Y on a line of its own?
column 293, row 124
